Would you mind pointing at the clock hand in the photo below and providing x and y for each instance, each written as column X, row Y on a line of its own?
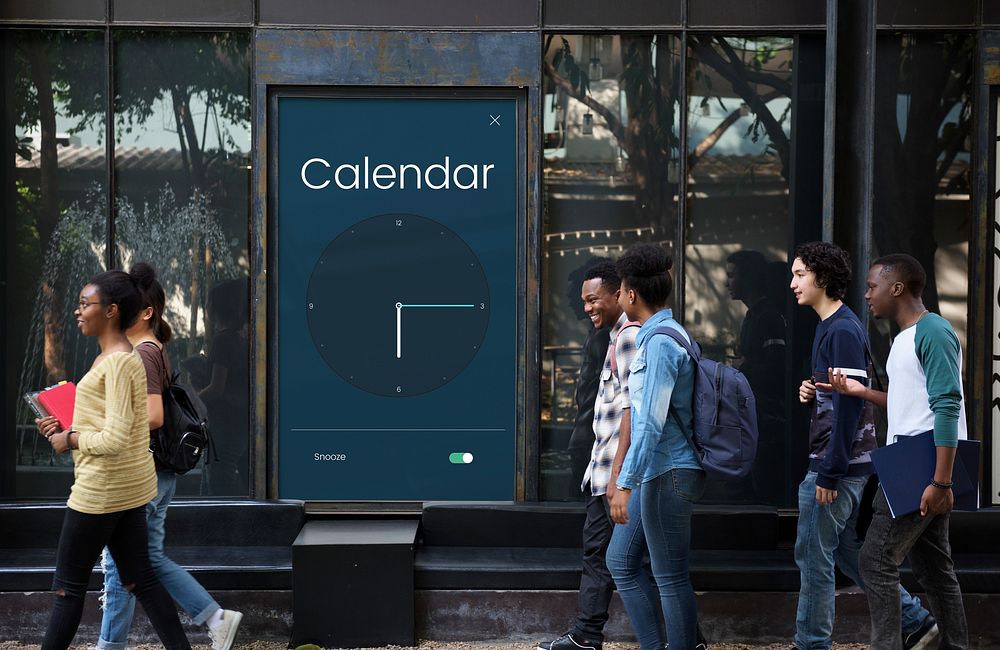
column 399, row 319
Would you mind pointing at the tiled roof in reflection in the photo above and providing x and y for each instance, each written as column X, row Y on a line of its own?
column 709, row 170
column 147, row 159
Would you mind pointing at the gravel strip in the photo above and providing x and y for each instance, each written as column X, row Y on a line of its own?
column 451, row 645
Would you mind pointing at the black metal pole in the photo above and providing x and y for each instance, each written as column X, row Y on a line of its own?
column 848, row 185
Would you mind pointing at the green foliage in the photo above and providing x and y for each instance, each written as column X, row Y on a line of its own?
column 566, row 65
column 76, row 68
column 174, row 66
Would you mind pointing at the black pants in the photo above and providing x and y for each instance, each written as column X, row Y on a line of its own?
column 925, row 540
column 596, row 583
column 82, row 538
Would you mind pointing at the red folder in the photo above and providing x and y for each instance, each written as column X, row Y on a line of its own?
column 58, row 400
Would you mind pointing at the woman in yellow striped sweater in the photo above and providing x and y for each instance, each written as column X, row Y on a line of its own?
column 113, row 470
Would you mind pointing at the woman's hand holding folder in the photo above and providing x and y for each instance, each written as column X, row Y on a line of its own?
column 49, row 427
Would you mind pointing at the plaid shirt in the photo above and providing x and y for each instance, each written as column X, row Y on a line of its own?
column 611, row 405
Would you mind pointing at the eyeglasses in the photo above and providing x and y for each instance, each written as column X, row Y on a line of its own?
column 83, row 304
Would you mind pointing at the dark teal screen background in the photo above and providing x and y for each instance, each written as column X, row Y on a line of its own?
column 387, row 458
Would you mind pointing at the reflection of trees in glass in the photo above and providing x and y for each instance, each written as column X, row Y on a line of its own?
column 646, row 135
column 73, row 254
column 181, row 68
column 61, row 73
column 741, row 62
column 57, row 73
column 917, row 144
column 650, row 80
column 166, row 231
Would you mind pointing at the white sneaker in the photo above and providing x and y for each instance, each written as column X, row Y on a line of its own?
column 223, row 634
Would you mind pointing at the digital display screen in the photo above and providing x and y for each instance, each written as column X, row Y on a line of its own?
column 396, row 292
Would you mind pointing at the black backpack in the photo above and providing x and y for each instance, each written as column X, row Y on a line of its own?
column 183, row 439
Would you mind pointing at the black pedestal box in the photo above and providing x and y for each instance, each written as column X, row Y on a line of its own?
column 352, row 583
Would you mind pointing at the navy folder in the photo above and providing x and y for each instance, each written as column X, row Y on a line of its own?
column 906, row 467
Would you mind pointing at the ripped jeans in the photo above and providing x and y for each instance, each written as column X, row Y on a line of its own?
column 119, row 604
column 80, row 543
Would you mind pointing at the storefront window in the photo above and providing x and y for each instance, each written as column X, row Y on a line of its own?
column 182, row 149
column 924, row 98
column 611, row 116
column 182, row 140
column 740, row 115
column 54, row 194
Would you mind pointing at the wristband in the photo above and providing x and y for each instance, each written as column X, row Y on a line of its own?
column 941, row 486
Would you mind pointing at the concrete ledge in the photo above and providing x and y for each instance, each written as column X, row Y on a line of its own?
column 267, row 616
column 734, row 617
column 468, row 615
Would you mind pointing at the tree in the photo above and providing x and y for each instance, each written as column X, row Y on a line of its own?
column 935, row 75
column 650, row 78
column 64, row 71
column 176, row 65
column 42, row 79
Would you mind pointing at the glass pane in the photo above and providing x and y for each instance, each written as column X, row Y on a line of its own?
column 610, row 177
column 182, row 143
column 58, row 235
column 923, row 141
column 738, row 233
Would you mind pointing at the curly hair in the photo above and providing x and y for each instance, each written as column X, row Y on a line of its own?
column 605, row 271
column 645, row 268
column 830, row 263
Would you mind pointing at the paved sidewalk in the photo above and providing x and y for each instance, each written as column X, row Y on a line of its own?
column 449, row 645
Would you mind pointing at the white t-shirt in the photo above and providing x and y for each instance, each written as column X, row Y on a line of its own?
column 925, row 380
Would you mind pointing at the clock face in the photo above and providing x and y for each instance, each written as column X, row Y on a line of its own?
column 398, row 305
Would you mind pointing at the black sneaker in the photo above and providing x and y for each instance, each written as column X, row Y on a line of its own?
column 923, row 636
column 570, row 641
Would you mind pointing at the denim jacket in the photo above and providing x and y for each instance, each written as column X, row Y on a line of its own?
column 661, row 387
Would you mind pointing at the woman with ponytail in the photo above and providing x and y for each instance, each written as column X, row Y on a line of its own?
column 148, row 336
column 113, row 474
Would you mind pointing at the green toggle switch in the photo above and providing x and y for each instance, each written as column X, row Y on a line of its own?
column 460, row 458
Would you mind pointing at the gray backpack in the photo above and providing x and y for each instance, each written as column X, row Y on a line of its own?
column 725, row 414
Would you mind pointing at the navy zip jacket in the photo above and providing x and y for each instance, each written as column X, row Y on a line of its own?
column 842, row 429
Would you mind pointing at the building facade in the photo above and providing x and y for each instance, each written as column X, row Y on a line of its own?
column 149, row 132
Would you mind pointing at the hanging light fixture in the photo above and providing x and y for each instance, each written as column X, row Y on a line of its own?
column 588, row 123
column 596, row 67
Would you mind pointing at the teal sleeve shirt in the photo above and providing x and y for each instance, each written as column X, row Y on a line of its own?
column 938, row 350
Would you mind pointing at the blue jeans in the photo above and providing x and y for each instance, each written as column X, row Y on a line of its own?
column 660, row 521
column 827, row 535
column 119, row 604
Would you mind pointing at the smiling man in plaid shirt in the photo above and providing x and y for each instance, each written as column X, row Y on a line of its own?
column 611, row 424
